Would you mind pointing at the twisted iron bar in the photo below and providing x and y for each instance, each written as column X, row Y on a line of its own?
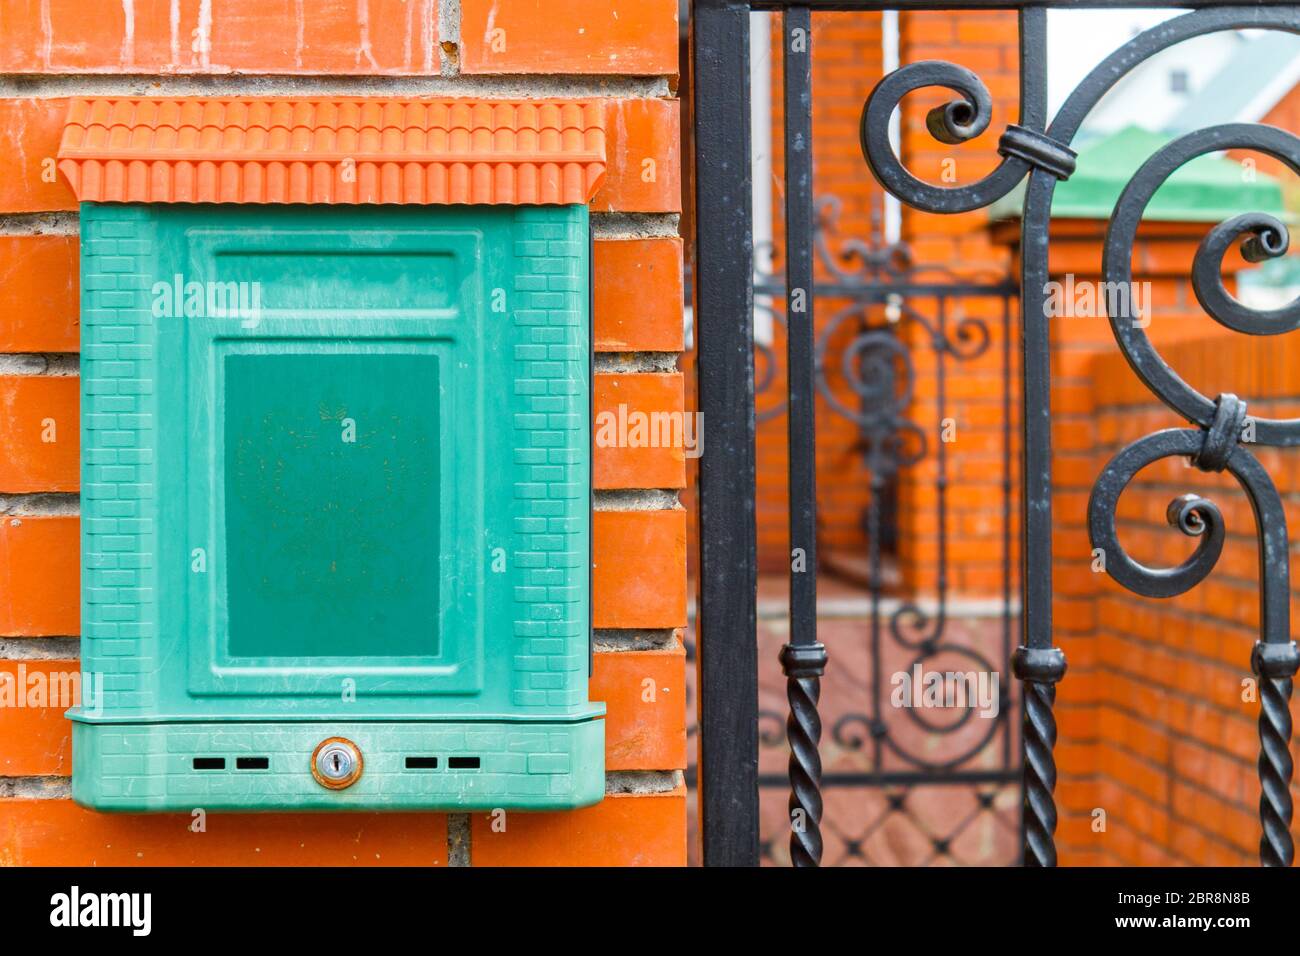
column 1275, row 665
column 1039, row 668
column 804, row 665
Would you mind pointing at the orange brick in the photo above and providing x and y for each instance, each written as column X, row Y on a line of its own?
column 621, row 830
column 30, row 130
column 643, row 146
column 39, row 310
column 220, row 36
column 994, row 30
column 624, row 405
column 39, row 433
column 639, row 569
column 628, row 37
column 637, row 295
column 60, row 833
column 645, row 703
column 37, row 739
column 39, row 576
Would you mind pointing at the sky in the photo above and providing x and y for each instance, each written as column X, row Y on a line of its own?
column 1077, row 40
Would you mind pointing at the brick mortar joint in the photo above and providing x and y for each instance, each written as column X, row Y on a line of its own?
column 36, row 788
column 53, row 504
column 491, row 86
column 69, row 363
column 631, row 363
column 40, row 504
column 43, row 504
column 612, row 225
column 636, row 499
column 621, row 640
column 460, row 851
column 642, row 782
column 449, row 19
column 51, row 364
column 607, row 641
column 40, row 648
column 67, row 223
column 617, row 782
column 635, row 225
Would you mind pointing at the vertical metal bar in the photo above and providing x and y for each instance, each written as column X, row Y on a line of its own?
column 1007, row 488
column 877, row 464
column 1036, row 662
column 941, row 347
column 803, row 658
column 726, row 618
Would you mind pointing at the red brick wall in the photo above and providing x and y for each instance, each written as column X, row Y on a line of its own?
column 623, row 50
column 846, row 64
column 987, row 44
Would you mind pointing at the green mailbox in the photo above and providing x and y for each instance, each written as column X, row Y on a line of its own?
column 336, row 370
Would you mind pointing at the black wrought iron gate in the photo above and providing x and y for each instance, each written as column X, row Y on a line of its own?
column 724, row 288
column 905, row 785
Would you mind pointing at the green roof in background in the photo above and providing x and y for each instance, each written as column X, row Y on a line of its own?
column 1208, row 189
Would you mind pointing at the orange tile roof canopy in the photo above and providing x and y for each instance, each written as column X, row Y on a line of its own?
column 333, row 150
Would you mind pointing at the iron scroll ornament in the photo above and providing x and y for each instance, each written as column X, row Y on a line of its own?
column 1046, row 157
column 1215, row 446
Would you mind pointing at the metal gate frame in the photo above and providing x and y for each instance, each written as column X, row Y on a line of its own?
column 723, row 270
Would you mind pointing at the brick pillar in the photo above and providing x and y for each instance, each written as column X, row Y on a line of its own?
column 985, row 42
column 846, row 64
column 622, row 51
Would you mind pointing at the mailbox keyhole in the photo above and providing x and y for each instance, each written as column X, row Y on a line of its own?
column 336, row 763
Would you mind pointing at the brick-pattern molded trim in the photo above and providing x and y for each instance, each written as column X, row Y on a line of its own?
column 119, row 619
column 551, row 522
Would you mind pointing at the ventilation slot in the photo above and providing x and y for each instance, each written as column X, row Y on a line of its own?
column 462, row 763
column 421, row 763
column 209, row 763
column 252, row 763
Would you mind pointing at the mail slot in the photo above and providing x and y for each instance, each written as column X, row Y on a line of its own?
column 336, row 368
